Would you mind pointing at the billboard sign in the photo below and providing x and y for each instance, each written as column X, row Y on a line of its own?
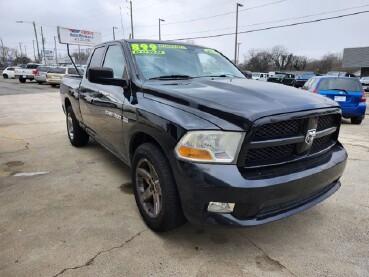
column 78, row 37
column 48, row 53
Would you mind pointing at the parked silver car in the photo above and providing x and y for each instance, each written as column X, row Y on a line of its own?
column 40, row 74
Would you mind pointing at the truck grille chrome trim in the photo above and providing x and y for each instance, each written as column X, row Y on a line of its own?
column 289, row 140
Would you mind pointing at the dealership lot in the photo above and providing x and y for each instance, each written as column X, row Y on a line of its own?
column 74, row 214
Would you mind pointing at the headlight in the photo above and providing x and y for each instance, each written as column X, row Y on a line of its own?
column 210, row 146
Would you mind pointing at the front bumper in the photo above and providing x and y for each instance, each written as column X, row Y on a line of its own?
column 260, row 196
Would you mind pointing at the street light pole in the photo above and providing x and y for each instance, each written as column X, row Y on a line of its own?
column 20, row 47
column 34, row 28
column 114, row 32
column 238, row 52
column 160, row 20
column 43, row 45
column 34, row 52
column 56, row 51
column 235, row 43
column 130, row 3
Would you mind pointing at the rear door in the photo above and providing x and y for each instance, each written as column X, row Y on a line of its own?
column 346, row 91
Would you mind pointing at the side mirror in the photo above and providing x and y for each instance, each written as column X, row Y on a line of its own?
column 105, row 76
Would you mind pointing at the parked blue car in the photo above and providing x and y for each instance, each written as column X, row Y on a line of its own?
column 347, row 91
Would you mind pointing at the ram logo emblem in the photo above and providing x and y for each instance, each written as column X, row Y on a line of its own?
column 310, row 136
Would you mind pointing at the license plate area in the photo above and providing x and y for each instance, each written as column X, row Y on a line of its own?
column 340, row 98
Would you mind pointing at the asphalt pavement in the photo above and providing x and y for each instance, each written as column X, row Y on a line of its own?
column 67, row 211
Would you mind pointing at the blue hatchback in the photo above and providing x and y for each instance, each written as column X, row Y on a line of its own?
column 348, row 92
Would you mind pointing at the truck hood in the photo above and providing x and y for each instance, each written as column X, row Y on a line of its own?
column 238, row 101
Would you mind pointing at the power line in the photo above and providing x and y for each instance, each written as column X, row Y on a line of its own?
column 213, row 16
column 273, row 21
column 277, row 27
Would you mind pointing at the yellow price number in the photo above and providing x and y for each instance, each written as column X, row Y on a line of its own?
column 144, row 48
column 211, row 51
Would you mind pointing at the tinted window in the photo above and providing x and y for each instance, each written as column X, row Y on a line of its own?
column 340, row 83
column 43, row 68
column 33, row 66
column 57, row 70
column 73, row 71
column 97, row 57
column 114, row 59
column 11, row 68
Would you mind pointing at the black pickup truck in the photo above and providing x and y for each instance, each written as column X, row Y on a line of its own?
column 204, row 143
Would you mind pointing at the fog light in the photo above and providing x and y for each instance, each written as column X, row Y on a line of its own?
column 219, row 207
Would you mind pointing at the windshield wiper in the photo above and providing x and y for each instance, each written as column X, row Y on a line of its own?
column 339, row 90
column 220, row 75
column 173, row 76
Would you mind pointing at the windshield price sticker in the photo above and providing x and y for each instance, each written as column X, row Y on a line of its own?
column 172, row 46
column 211, row 51
column 143, row 48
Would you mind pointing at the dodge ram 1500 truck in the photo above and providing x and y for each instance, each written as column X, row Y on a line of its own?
column 204, row 143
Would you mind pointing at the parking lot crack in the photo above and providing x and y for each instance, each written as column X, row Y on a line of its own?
column 90, row 261
column 276, row 262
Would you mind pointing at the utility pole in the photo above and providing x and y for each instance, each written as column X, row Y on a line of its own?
column 2, row 47
column 130, row 3
column 79, row 55
column 34, row 52
column 56, row 51
column 38, row 51
column 121, row 20
column 235, row 43
column 20, row 47
column 160, row 20
column 43, row 45
column 114, row 32
column 25, row 50
column 238, row 51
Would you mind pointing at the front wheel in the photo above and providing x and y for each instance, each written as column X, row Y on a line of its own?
column 22, row 80
column 356, row 120
column 155, row 189
column 5, row 76
column 77, row 136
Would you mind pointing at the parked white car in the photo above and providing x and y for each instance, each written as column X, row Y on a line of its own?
column 9, row 72
column 260, row 76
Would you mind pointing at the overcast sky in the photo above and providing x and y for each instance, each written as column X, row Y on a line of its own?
column 312, row 40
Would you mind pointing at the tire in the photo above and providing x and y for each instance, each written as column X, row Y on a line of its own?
column 149, row 161
column 39, row 82
column 53, row 85
column 356, row 120
column 77, row 136
column 22, row 80
column 5, row 76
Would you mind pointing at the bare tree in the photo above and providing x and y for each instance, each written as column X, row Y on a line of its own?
column 259, row 60
column 298, row 63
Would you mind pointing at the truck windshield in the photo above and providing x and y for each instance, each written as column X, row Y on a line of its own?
column 157, row 61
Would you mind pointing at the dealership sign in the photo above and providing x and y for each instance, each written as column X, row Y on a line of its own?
column 47, row 53
column 78, row 37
